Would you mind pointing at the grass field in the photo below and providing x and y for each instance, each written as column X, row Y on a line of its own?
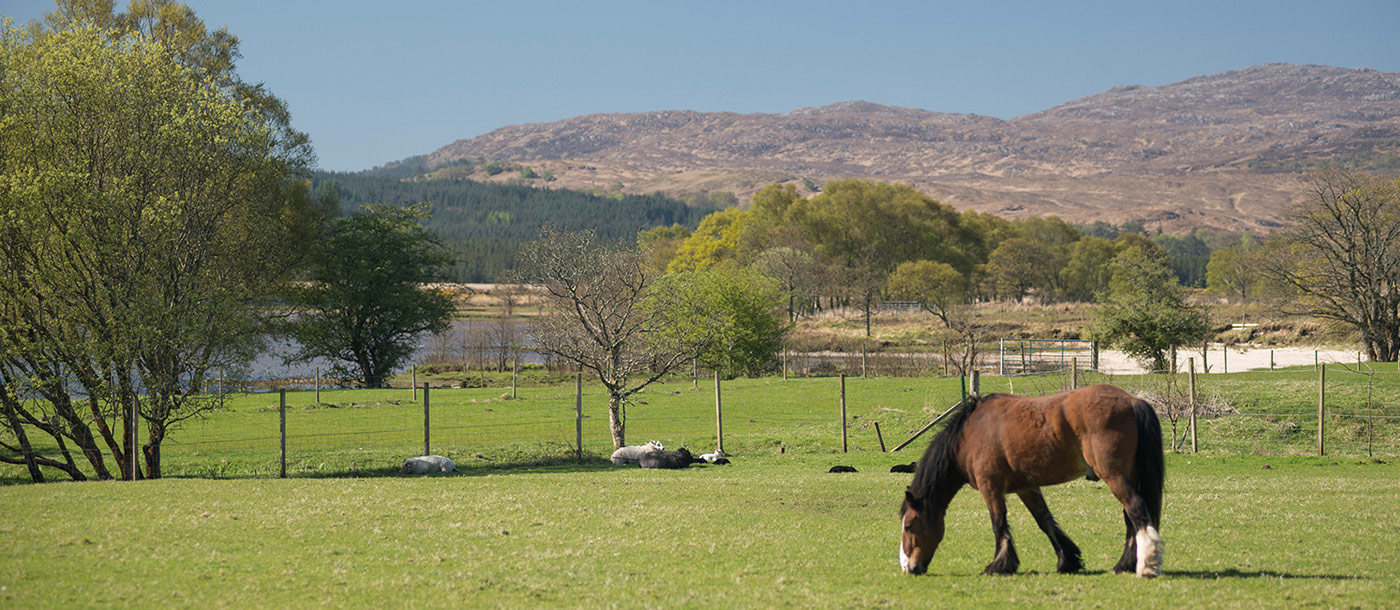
column 1249, row 522
column 765, row 531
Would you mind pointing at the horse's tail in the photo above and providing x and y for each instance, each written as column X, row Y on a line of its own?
column 1149, row 474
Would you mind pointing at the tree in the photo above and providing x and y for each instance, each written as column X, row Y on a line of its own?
column 739, row 308
column 366, row 301
column 153, row 202
column 1340, row 254
column 1087, row 272
column 796, row 271
column 1234, row 271
column 603, row 314
column 943, row 292
column 1019, row 265
column 716, row 240
column 1144, row 310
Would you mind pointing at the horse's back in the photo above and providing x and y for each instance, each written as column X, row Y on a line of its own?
column 1051, row 439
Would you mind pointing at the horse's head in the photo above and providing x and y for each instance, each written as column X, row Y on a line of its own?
column 921, row 530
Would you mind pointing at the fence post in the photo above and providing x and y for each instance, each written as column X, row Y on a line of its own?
column 1074, row 373
column 413, row 370
column 1191, row 375
column 695, row 373
column 318, row 385
column 1271, row 360
column 1094, row 355
column 282, row 417
column 719, row 416
column 221, row 386
column 976, row 383
column 843, row 413
column 1315, row 367
column 578, row 415
column 1001, row 357
column 1321, row 408
column 514, row 373
column 880, row 436
column 426, row 446
column 945, row 357
column 784, row 364
column 135, row 454
column 863, row 368
column 1224, row 359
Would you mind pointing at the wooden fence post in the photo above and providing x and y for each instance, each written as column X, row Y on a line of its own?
column 719, row 416
column 1224, row 358
column 426, row 446
column 1321, row 408
column 880, row 436
column 976, row 383
column 1074, row 373
column 514, row 373
column 413, row 370
column 282, row 417
column 1271, row 360
column 578, row 415
column 843, row 413
column 1094, row 355
column 864, row 370
column 784, row 364
column 1191, row 376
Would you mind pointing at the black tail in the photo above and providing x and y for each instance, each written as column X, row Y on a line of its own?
column 1149, row 470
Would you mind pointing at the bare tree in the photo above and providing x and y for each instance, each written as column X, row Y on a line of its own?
column 1341, row 255
column 601, row 314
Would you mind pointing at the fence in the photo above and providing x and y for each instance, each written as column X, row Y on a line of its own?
column 368, row 432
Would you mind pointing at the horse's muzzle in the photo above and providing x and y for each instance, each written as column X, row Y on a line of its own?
column 915, row 570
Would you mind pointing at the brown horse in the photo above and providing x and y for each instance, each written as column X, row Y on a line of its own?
column 1002, row 443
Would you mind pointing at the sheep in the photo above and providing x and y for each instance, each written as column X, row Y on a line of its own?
column 712, row 457
column 427, row 464
column 669, row 460
column 631, row 454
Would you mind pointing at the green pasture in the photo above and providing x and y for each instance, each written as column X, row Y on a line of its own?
column 767, row 531
column 368, row 432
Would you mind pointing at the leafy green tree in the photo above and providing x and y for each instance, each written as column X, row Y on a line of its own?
column 1234, row 271
column 738, row 310
column 715, row 241
column 660, row 244
column 938, row 287
column 152, row 204
column 366, row 302
column 1019, row 266
column 1144, row 310
column 863, row 222
column 1087, row 272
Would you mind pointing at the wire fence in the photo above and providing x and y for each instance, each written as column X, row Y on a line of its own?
column 1343, row 409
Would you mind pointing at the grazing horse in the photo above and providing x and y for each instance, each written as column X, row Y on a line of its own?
column 1002, row 443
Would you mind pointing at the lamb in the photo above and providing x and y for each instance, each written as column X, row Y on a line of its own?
column 713, row 457
column 427, row 464
column 632, row 454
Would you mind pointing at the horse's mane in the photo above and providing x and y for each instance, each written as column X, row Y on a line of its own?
column 938, row 477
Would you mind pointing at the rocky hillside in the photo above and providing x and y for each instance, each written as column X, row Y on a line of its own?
column 1223, row 150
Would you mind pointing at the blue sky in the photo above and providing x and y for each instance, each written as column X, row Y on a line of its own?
column 378, row 81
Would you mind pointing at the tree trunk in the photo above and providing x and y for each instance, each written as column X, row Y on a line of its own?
column 615, row 423
column 152, row 451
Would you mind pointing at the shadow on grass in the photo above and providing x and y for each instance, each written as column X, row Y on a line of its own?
column 590, row 463
column 1232, row 573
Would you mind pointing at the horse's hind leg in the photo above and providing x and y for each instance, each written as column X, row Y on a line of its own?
column 1128, row 562
column 1142, row 531
column 1065, row 548
column 1005, row 560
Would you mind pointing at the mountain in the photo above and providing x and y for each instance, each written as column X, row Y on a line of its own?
column 1223, row 150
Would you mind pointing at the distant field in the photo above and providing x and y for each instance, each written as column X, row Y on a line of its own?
column 765, row 531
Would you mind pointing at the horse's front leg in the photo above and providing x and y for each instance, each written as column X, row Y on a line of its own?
column 1005, row 560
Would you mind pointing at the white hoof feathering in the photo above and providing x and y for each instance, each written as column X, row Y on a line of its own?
column 1149, row 552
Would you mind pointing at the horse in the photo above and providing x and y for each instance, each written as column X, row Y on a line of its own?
column 669, row 460
column 1001, row 443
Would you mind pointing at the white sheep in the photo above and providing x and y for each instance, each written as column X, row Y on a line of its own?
column 632, row 454
column 427, row 464
column 711, row 457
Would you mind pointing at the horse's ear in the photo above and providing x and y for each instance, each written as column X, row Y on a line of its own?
column 909, row 499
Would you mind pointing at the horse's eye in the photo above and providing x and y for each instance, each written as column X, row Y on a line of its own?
column 906, row 528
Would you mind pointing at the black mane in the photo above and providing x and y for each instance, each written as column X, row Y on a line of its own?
column 938, row 477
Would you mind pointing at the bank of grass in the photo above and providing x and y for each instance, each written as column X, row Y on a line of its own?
column 766, row 531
